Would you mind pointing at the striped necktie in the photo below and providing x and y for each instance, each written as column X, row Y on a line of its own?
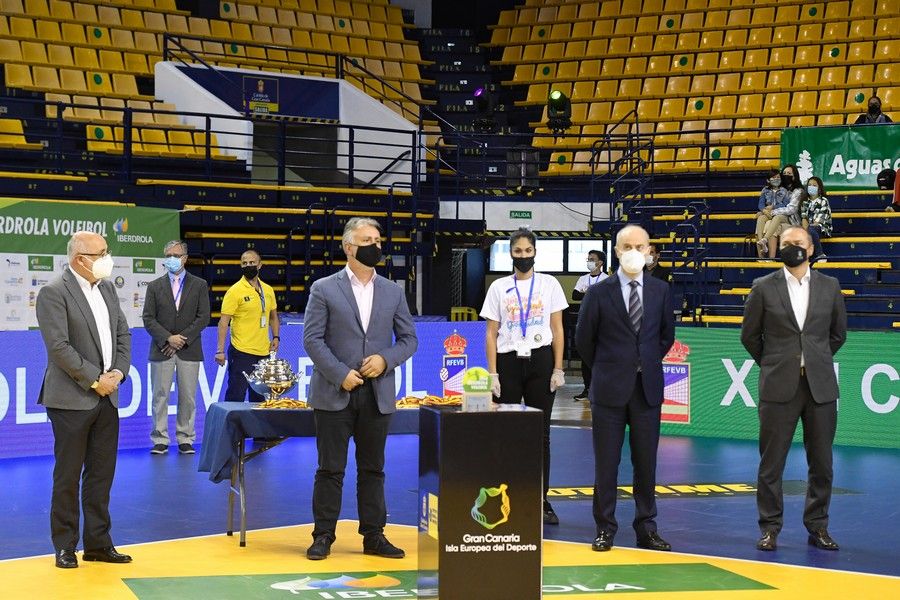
column 635, row 308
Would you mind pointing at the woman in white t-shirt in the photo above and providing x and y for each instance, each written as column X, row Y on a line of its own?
column 524, row 340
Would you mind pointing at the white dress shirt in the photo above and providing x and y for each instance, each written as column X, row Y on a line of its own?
column 798, row 290
column 625, row 284
column 101, row 317
column 364, row 294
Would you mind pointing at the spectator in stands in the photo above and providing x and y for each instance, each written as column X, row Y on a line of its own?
column 249, row 308
column 176, row 311
column 771, row 196
column 873, row 115
column 816, row 216
column 596, row 264
column 357, row 331
column 794, row 323
column 787, row 215
column 653, row 266
column 525, row 340
column 888, row 180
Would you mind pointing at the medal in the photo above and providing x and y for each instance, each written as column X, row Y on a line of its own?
column 537, row 337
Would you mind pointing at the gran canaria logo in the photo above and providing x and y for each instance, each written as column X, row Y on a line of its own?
column 483, row 495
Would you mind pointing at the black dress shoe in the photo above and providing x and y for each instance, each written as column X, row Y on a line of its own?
column 550, row 517
column 320, row 548
column 107, row 554
column 820, row 539
column 652, row 541
column 603, row 542
column 380, row 546
column 767, row 542
column 66, row 559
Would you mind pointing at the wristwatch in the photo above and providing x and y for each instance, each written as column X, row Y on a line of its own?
column 95, row 385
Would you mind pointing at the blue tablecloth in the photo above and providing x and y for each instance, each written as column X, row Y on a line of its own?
column 229, row 423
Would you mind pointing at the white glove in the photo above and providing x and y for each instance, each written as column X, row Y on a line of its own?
column 557, row 380
column 495, row 385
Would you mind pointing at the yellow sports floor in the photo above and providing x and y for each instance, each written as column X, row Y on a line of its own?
column 273, row 565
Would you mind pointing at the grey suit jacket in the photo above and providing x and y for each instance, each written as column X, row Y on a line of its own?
column 773, row 338
column 335, row 341
column 74, row 357
column 162, row 319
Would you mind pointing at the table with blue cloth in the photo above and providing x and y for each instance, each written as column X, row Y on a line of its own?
column 228, row 424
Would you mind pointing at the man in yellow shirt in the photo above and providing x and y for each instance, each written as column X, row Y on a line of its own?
column 249, row 307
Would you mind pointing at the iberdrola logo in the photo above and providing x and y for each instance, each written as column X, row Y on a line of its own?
column 121, row 226
column 483, row 495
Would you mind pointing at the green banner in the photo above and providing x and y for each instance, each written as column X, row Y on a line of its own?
column 720, row 397
column 844, row 158
column 33, row 239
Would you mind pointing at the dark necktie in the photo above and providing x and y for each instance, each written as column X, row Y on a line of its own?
column 635, row 309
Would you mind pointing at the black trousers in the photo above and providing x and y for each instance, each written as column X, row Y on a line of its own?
column 362, row 420
column 238, row 388
column 777, row 423
column 85, row 443
column 608, row 424
column 586, row 374
column 529, row 378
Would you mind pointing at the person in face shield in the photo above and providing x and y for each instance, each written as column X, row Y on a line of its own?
column 357, row 330
column 88, row 353
column 873, row 114
column 626, row 326
column 250, row 310
column 524, row 341
column 794, row 323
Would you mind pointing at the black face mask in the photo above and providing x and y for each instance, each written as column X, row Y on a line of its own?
column 793, row 256
column 250, row 272
column 874, row 109
column 523, row 264
column 787, row 181
column 368, row 255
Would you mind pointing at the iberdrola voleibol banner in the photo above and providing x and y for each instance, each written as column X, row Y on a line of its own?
column 844, row 158
column 33, row 238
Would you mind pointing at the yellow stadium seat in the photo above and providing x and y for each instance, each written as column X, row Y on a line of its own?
column 23, row 27
column 181, row 143
column 554, row 51
column 806, row 78
column 835, row 31
column 99, row 83
column 836, row 10
column 834, row 53
column 641, row 44
column 771, row 128
column 830, row 101
column 589, row 69
column 153, row 142
column 803, row 103
column 753, row 81
column 619, row 45
column 72, row 80
column 672, row 109
column 750, row 104
column 763, row 16
column 810, row 33
column 769, row 156
column 10, row 51
column 86, row 58
column 712, row 39
column 46, row 78
column 739, row 17
column 779, row 80
column 12, row 135
column 560, row 31
column 100, row 139
column 780, row 57
column 58, row 54
column 890, row 97
column 664, row 43
column 36, row 8
column 706, row 62
column 560, row 163
column 653, row 87
column 692, row 20
column 663, row 159
column 659, row 64
column 112, row 109
column 693, row 131
column 802, row 121
column 688, row 41
column 719, row 129
column 806, row 55
column 742, row 157
column 865, row 28
column 735, row 38
column 887, row 74
column 829, row 119
column 833, row 77
column 624, row 25
column 666, row 133
column 759, row 36
column 857, row 99
column 606, row 88
column 636, row 65
column 715, row 19
column 97, row 36
column 727, row 82
column 52, row 107
column 887, row 50
column 688, row 159
column 612, row 67
column 599, row 111
column 648, row 110
column 776, row 103
column 537, row 92
column 746, row 128
column 678, row 85
column 784, row 34
column 757, row 58
column 588, row 10
column 702, row 84
column 862, row 52
column 647, row 24
column 885, row 26
column 122, row 38
column 859, row 75
column 629, row 87
column 697, row 107
column 862, row 8
column 88, row 108
column 724, row 105
column 621, row 108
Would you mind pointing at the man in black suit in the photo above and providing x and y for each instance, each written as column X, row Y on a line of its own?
column 625, row 328
column 794, row 323
column 88, row 353
column 176, row 310
column 655, row 269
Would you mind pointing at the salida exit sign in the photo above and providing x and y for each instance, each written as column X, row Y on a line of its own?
column 520, row 214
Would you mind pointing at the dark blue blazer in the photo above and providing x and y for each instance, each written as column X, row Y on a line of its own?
column 605, row 340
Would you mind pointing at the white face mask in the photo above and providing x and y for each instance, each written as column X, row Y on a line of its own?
column 633, row 261
column 651, row 260
column 591, row 265
column 102, row 267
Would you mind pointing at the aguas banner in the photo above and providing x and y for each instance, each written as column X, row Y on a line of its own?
column 33, row 238
column 844, row 158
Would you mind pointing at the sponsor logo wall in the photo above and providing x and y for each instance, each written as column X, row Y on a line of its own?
column 33, row 238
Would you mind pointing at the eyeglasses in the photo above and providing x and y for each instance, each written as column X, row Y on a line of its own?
column 97, row 254
column 175, row 255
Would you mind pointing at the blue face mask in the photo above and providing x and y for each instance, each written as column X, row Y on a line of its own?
column 172, row 264
column 812, row 190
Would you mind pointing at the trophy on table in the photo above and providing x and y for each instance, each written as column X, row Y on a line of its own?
column 271, row 378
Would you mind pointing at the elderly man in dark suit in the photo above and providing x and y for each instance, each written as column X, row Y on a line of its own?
column 88, row 354
column 794, row 323
column 176, row 310
column 350, row 325
column 626, row 326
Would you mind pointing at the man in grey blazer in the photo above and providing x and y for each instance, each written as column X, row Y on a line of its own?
column 357, row 329
column 176, row 310
column 794, row 323
column 88, row 353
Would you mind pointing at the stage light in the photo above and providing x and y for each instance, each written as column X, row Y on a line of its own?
column 559, row 112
